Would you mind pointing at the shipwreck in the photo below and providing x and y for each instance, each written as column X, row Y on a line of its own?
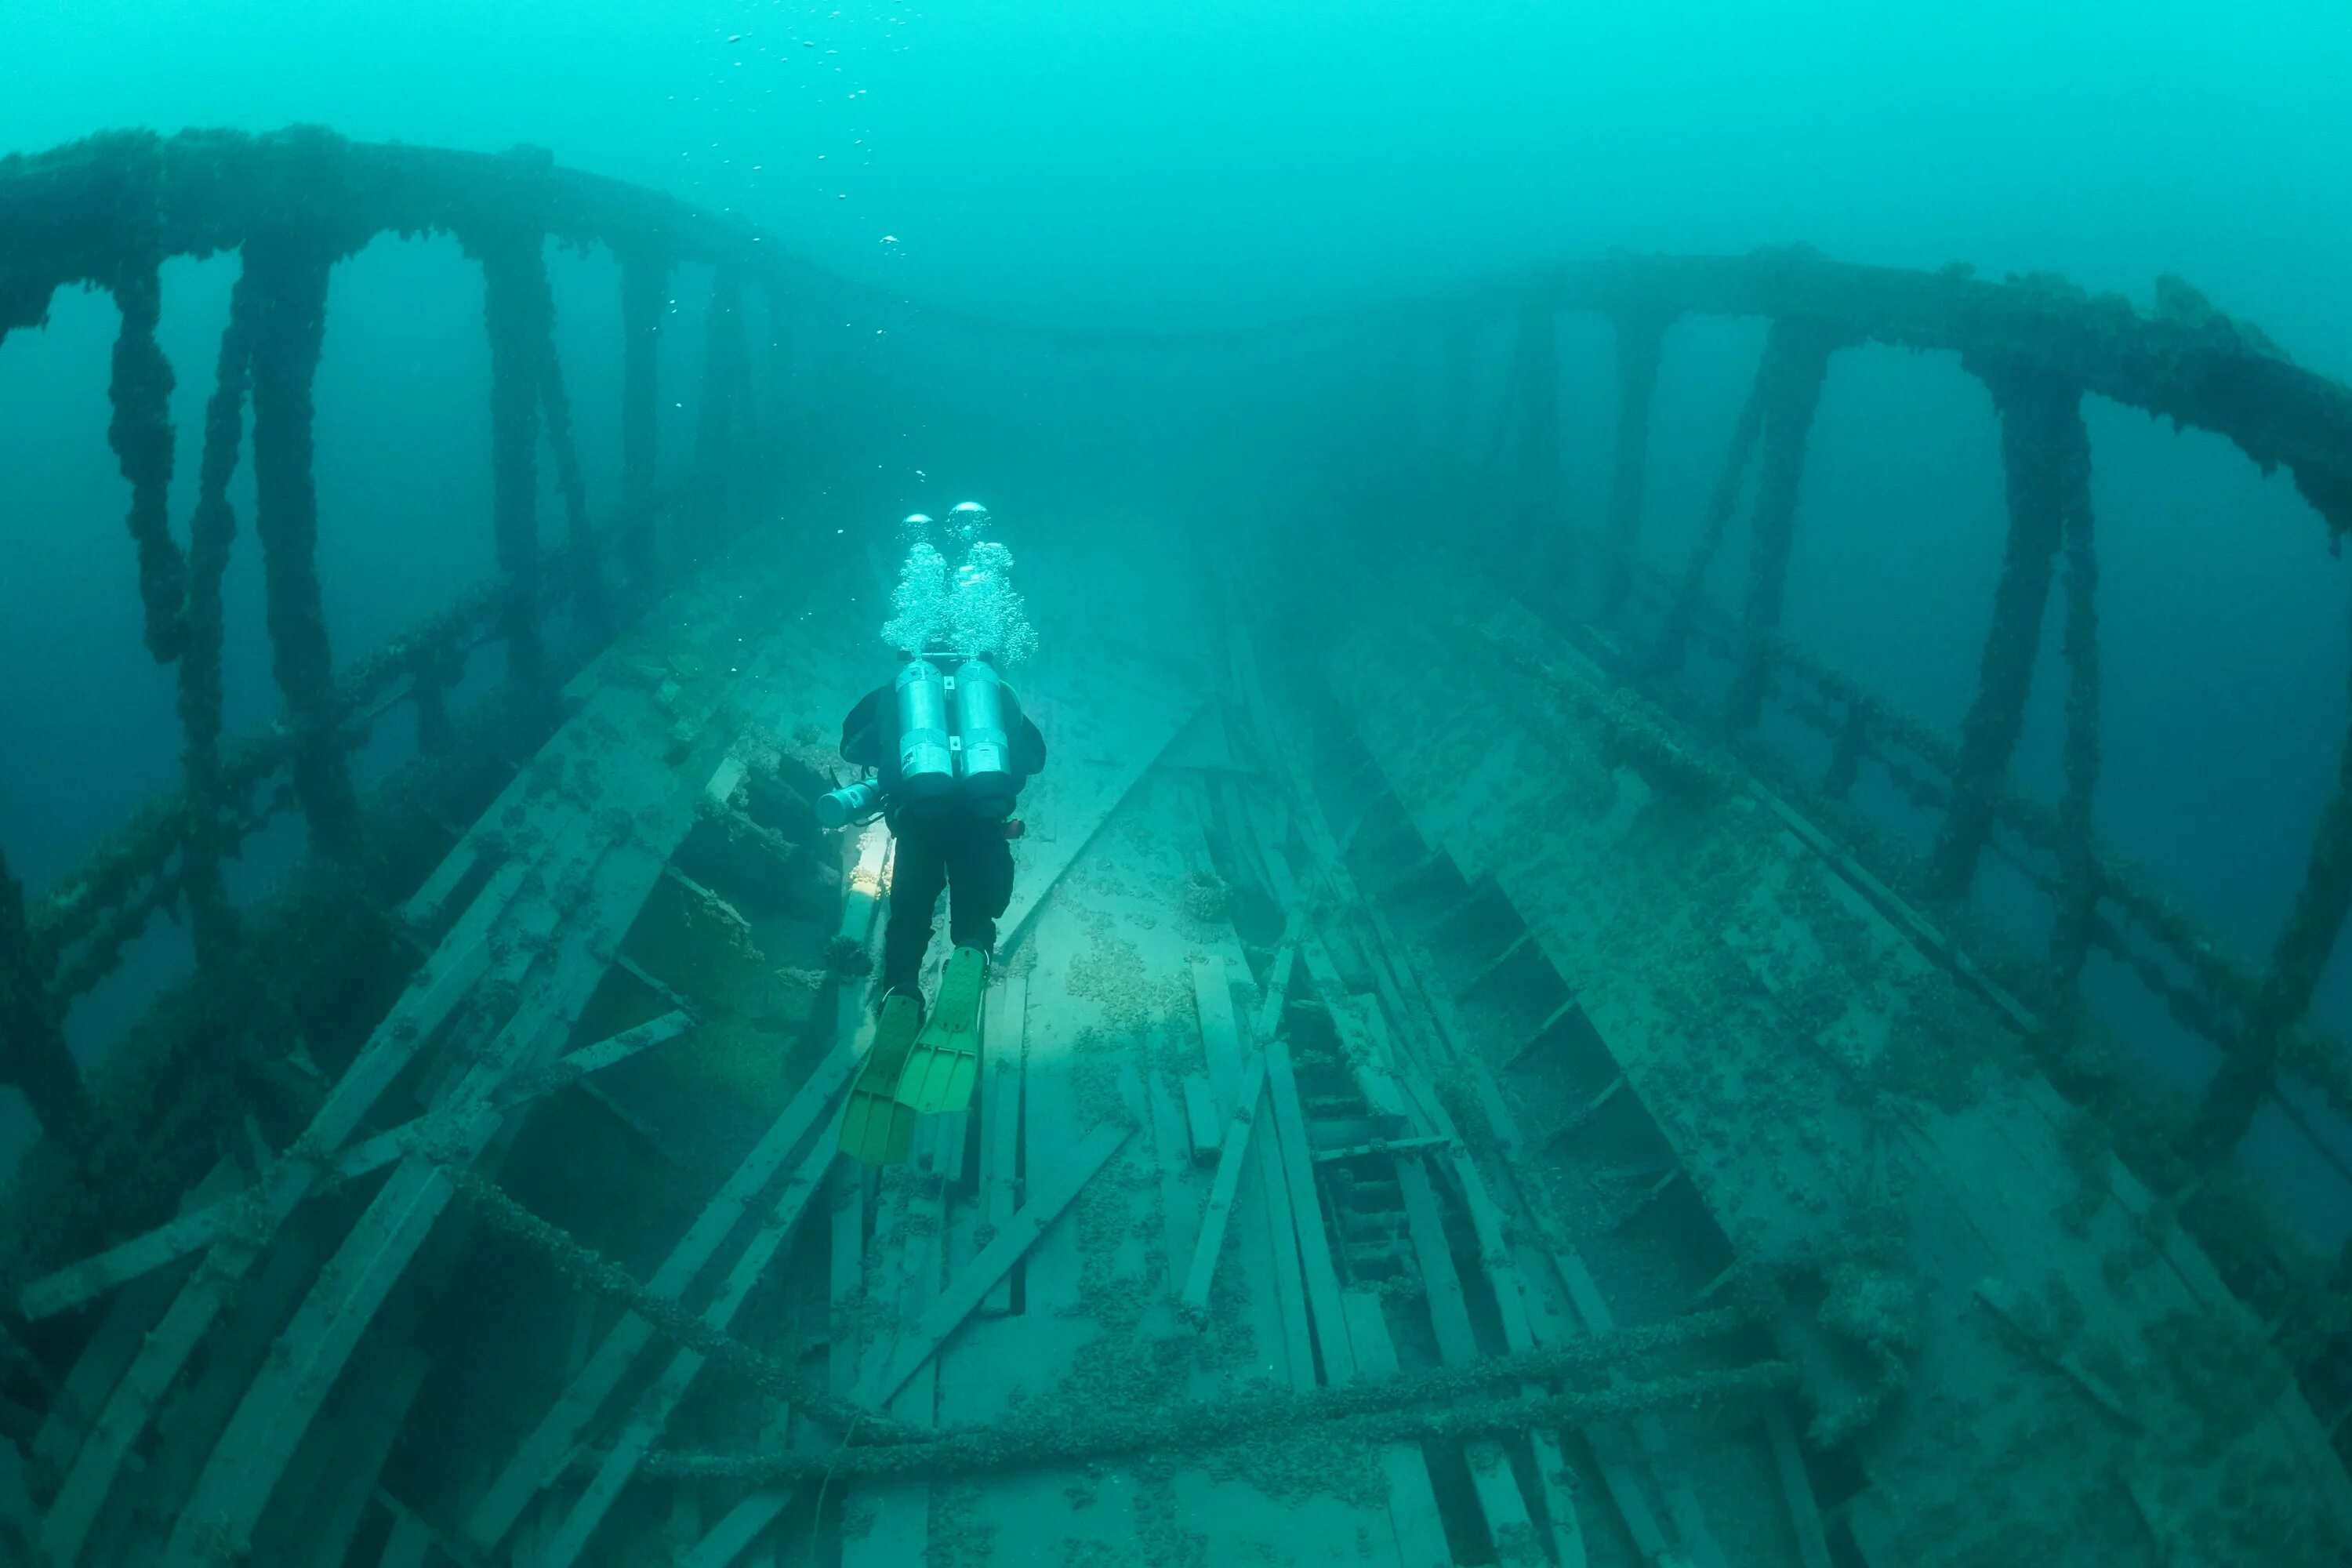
column 1536, row 1117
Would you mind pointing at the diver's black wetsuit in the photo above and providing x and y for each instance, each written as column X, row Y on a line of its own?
column 965, row 855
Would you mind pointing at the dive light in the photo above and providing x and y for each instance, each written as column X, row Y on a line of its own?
column 851, row 802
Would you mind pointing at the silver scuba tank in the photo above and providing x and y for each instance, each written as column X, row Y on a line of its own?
column 926, row 763
column 983, row 748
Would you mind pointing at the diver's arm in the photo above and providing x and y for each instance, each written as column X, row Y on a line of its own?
column 861, row 735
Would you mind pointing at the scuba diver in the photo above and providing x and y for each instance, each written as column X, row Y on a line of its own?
column 948, row 749
column 951, row 749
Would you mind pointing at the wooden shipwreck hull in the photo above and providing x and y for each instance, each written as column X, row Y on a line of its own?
column 1209, row 1272
column 1706, row 1017
column 1419, row 1131
column 1445, row 1097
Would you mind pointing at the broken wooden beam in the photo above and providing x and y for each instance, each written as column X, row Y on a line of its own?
column 653, row 1410
column 1412, row 1500
column 542, row 1454
column 462, row 960
column 1322, row 1281
column 964, row 1294
column 1004, row 1041
column 1234, row 1153
column 278, row 1410
column 71, row 1286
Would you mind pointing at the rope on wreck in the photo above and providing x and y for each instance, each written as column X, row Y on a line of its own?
column 1449, row 1404
column 594, row 1272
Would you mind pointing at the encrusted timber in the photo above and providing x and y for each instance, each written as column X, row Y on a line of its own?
column 1446, row 1402
column 2219, row 985
column 2192, row 365
column 71, row 214
column 91, row 910
column 2046, row 452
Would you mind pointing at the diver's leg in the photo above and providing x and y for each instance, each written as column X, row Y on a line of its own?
column 917, row 873
column 981, row 881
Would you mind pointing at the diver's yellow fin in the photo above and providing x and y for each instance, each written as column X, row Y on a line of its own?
column 874, row 1128
column 944, row 1065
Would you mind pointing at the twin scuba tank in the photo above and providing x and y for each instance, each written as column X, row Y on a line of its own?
column 955, row 751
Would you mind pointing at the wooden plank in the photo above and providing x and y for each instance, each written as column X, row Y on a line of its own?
column 1449, row 1308
column 1242, row 1163
column 1289, row 1277
column 1265, row 1155
column 724, row 780
column 916, row 1403
column 847, row 1283
column 1180, row 1211
column 954, row 1136
column 1804, row 1511
column 1268, row 1021
column 71, row 1286
column 659, row 1402
column 1230, row 1163
column 887, row 1524
column 409, row 1545
column 424, row 907
column 733, row 1535
column 1412, row 1500
column 284, row 1399
column 1046, row 1200
column 1204, row 1129
column 190, row 1424
column 1509, row 1520
column 1004, row 1038
column 542, row 1454
column 1315, row 951
column 1322, row 1281
column 381, row 1392
column 1550, row 1464
column 460, row 962
column 525, row 791
column 105, row 1356
column 1221, row 1042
